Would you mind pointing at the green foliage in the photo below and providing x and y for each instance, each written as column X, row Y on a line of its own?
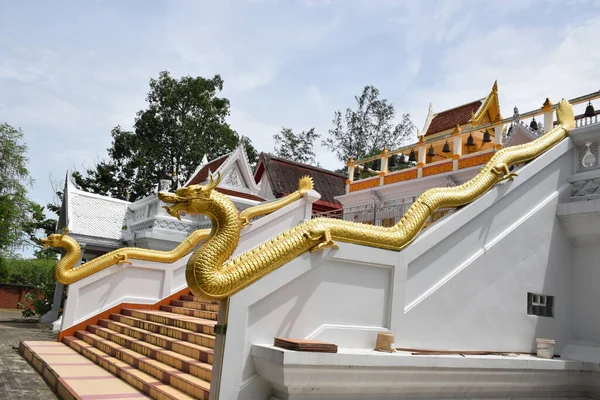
column 40, row 300
column 37, row 273
column 296, row 147
column 369, row 127
column 3, row 270
column 29, row 272
column 184, row 121
column 20, row 218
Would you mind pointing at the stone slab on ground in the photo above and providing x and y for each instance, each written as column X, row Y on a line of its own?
column 18, row 380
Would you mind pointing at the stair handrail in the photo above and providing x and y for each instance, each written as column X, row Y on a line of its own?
column 210, row 271
column 67, row 272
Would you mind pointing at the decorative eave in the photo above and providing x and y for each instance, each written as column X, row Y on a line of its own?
column 374, row 375
column 430, row 115
column 489, row 112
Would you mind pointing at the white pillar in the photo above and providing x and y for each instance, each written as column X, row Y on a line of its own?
column 498, row 136
column 421, row 159
column 456, row 147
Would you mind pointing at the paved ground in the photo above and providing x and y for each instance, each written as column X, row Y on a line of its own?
column 18, row 380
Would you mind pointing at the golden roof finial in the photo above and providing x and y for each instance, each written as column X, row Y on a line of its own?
column 384, row 151
column 547, row 104
column 350, row 162
column 495, row 87
column 457, row 130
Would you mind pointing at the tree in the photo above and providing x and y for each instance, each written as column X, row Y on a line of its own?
column 184, row 121
column 368, row 129
column 15, row 208
column 296, row 147
column 20, row 218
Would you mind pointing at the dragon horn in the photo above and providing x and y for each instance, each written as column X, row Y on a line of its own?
column 214, row 182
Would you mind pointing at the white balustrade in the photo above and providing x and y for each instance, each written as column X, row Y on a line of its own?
column 146, row 282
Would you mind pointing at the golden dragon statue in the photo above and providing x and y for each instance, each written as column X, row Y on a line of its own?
column 210, row 272
column 65, row 271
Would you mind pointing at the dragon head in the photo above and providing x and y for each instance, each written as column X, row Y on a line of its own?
column 189, row 198
column 54, row 240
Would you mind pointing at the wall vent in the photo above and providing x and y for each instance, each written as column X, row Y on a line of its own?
column 540, row 305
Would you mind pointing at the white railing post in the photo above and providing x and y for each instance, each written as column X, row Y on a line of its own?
column 421, row 157
column 350, row 165
column 457, row 147
column 383, row 161
column 498, row 136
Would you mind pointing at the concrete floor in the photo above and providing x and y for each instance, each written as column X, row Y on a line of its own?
column 18, row 380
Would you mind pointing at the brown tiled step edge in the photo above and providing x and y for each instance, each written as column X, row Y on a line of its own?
column 72, row 376
column 206, row 326
column 182, row 362
column 171, row 331
column 146, row 383
column 198, row 299
column 198, row 306
column 186, row 383
column 196, row 351
column 191, row 312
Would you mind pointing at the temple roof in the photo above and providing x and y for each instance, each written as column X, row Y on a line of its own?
column 92, row 214
column 448, row 119
column 284, row 174
column 478, row 112
column 202, row 173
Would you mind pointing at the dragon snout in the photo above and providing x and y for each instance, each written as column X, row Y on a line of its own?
column 167, row 197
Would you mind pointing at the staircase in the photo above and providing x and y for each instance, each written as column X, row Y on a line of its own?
column 165, row 353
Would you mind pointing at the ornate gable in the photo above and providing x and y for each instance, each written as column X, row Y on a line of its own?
column 234, row 167
column 234, row 177
column 489, row 111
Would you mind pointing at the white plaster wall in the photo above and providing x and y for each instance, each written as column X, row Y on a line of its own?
column 586, row 294
column 469, row 290
column 344, row 296
column 266, row 192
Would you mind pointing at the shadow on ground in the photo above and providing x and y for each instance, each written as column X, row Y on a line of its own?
column 18, row 381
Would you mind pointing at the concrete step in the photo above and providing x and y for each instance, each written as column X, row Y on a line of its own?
column 202, row 370
column 194, row 324
column 172, row 331
column 70, row 375
column 189, row 384
column 191, row 312
column 197, row 299
column 196, row 351
column 194, row 304
column 151, row 386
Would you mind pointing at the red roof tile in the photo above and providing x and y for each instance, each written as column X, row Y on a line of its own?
column 449, row 118
column 202, row 175
column 284, row 174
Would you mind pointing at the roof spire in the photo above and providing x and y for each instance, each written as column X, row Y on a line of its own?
column 204, row 160
column 495, row 87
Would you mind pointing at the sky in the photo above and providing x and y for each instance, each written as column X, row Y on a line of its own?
column 70, row 71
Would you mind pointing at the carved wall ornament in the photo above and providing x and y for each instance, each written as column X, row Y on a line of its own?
column 587, row 156
column 585, row 188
